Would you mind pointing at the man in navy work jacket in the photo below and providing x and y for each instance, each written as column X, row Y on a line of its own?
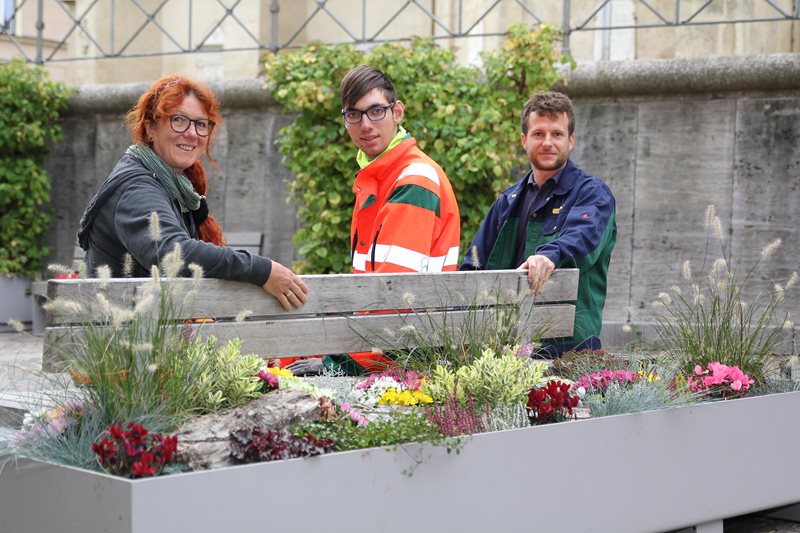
column 557, row 216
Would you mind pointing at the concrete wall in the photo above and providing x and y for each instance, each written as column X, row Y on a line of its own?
column 670, row 137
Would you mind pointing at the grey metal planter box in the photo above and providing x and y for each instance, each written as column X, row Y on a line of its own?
column 651, row 471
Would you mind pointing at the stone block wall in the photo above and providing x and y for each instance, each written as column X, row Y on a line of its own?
column 670, row 137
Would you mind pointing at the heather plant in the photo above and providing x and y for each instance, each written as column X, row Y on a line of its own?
column 711, row 318
column 494, row 379
column 454, row 418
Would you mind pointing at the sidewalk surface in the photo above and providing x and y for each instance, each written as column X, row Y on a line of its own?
column 20, row 367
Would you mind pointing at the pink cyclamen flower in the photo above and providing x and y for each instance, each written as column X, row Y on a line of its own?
column 269, row 378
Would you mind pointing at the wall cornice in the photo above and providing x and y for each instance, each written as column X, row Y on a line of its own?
column 773, row 72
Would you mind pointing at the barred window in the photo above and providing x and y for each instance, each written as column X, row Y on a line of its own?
column 7, row 16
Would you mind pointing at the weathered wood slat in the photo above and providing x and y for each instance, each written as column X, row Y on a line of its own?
column 341, row 334
column 333, row 320
column 342, row 293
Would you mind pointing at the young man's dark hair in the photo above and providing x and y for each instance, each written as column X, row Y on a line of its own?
column 549, row 105
column 362, row 80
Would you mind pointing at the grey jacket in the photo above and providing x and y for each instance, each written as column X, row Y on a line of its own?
column 117, row 221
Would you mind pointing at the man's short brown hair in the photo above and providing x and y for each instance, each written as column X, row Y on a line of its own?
column 551, row 105
column 362, row 80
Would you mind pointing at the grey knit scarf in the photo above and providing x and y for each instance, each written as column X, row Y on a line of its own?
column 179, row 185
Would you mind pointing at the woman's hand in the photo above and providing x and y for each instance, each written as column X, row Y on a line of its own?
column 286, row 287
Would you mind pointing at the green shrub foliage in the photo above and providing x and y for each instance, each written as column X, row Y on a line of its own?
column 466, row 118
column 30, row 105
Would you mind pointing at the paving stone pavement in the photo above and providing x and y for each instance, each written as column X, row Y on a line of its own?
column 20, row 372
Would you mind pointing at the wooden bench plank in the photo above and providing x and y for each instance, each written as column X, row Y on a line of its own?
column 342, row 334
column 341, row 293
column 333, row 320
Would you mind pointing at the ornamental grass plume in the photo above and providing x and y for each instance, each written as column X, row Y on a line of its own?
column 155, row 227
column 714, row 323
column 127, row 265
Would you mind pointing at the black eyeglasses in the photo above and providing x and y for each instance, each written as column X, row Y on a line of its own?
column 181, row 123
column 374, row 113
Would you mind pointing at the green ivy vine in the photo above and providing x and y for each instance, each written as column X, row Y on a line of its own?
column 465, row 117
column 30, row 106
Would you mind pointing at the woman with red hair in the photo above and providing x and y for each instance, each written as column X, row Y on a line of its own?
column 172, row 125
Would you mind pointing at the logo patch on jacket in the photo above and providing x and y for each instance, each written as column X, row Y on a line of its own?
column 585, row 216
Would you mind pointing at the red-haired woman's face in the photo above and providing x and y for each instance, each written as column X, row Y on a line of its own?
column 179, row 150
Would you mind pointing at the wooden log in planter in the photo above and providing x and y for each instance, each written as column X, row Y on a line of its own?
column 652, row 471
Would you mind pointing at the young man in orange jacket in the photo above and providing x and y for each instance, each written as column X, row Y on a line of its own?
column 405, row 217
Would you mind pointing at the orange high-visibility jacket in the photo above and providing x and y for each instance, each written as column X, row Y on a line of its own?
column 406, row 216
column 405, row 220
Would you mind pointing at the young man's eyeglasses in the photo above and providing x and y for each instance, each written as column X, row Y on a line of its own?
column 181, row 123
column 374, row 113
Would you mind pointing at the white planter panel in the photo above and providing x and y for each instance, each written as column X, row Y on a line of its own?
column 653, row 471
column 15, row 301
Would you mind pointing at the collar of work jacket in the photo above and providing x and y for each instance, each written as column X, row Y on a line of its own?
column 376, row 175
column 565, row 180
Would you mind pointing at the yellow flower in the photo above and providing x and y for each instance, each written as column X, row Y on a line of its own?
column 651, row 376
column 405, row 397
column 281, row 372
